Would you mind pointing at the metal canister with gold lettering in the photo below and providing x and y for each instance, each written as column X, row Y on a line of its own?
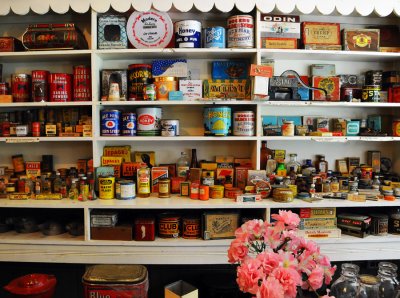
column 191, row 227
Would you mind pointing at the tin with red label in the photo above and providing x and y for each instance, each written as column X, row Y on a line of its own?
column 145, row 229
column 138, row 76
column 40, row 89
column 396, row 127
column 169, row 225
column 129, row 124
column 35, row 129
column 148, row 121
column 82, row 83
column 21, row 87
column 4, row 89
column 240, row 31
column 60, row 87
column 243, row 123
column 232, row 192
column 191, row 227
column 5, row 128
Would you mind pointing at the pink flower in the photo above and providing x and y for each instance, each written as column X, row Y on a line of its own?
column 289, row 279
column 270, row 288
column 269, row 261
column 237, row 251
column 327, row 295
column 316, row 277
column 272, row 238
column 288, row 260
column 290, row 219
column 249, row 274
column 306, row 262
column 255, row 227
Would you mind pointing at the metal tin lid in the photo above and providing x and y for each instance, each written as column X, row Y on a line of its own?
column 104, row 274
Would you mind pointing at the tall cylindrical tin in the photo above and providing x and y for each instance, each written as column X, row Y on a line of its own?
column 243, row 123
column 138, row 76
column 217, row 121
column 214, row 37
column 106, row 187
column 82, row 83
column 20, row 87
column 191, row 227
column 4, row 89
column 128, row 124
column 187, row 34
column 169, row 128
column 110, row 123
column 60, row 87
column 148, row 121
column 371, row 93
column 40, row 85
column 240, row 31
column 168, row 225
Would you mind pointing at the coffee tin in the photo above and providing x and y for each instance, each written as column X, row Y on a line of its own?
column 106, row 187
column 169, row 128
column 168, row 225
column 129, row 124
column 191, row 227
column 214, row 37
column 240, row 31
column 217, row 192
column 40, row 85
column 138, row 76
column 125, row 190
column 82, row 83
column 110, row 123
column 243, row 123
column 148, row 121
column 371, row 93
column 187, row 34
column 217, row 121
column 20, row 87
column 60, row 87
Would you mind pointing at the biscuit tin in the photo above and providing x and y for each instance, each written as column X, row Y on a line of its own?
column 219, row 225
column 361, row 39
column 111, row 32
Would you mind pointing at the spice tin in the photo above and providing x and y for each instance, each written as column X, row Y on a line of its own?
column 396, row 127
column 217, row 192
column 214, row 37
column 4, row 88
column 82, row 83
column 106, row 187
column 194, row 190
column 129, row 124
column 40, row 85
column 110, row 122
column 148, row 121
column 169, row 128
column 164, row 85
column 240, row 31
column 191, row 227
column 168, row 225
column 125, row 190
column 114, row 281
column 145, row 229
column 35, row 129
column 138, row 75
column 379, row 224
column 204, row 192
column 187, row 34
column 60, row 87
column 371, row 93
column 288, row 128
column 243, row 123
column 217, row 121
column 20, row 87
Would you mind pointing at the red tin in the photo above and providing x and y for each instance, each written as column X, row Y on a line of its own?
column 82, row 83
column 32, row 286
column 3, row 88
column 35, row 129
column 145, row 229
column 20, row 87
column 60, row 87
column 40, row 85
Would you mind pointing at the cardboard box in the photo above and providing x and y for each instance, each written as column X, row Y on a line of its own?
column 191, row 89
column 361, row 39
column 231, row 69
column 147, row 157
column 122, row 232
column 279, row 43
column 118, row 76
column 323, row 70
column 321, row 33
column 170, row 68
column 180, row 289
column 157, row 173
column 220, row 225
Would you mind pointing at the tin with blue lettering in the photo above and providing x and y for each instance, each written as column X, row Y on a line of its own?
column 187, row 34
column 214, row 37
column 129, row 124
column 217, row 121
column 110, row 123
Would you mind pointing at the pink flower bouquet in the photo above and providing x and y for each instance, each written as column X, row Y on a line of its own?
column 273, row 261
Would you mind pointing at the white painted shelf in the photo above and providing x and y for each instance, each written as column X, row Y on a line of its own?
column 331, row 139
column 333, row 104
column 46, row 104
column 46, row 56
column 22, row 140
column 230, row 102
column 176, row 139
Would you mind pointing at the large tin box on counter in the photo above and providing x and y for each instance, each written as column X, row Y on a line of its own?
column 220, row 225
column 10, row 44
column 361, row 39
column 65, row 36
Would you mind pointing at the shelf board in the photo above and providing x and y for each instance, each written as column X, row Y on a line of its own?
column 24, row 140
column 328, row 104
column 331, row 139
column 168, row 242
column 45, row 104
column 51, row 204
column 40, row 238
column 175, row 139
column 177, row 102
column 45, row 56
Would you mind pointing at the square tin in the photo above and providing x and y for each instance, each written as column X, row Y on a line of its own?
column 111, row 32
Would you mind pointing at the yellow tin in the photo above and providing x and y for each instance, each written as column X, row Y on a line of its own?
column 164, row 85
column 106, row 187
column 216, row 192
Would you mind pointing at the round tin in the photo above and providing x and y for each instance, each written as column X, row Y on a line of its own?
column 129, row 124
column 191, row 227
column 288, row 128
column 18, row 163
column 396, row 127
column 164, row 85
column 214, row 37
column 379, row 224
column 4, row 88
column 148, row 121
column 240, row 31
column 164, row 188
column 187, row 34
column 217, row 192
column 125, row 190
column 169, row 128
column 20, row 87
column 217, row 121
column 82, row 83
column 371, row 93
column 110, row 123
column 40, row 85
column 60, row 87
column 106, row 187
column 168, row 225
column 243, row 123
column 204, row 192
column 138, row 75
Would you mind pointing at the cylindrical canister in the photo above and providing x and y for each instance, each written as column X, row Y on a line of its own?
column 18, row 163
column 168, row 225
column 106, row 187
column 4, row 89
column 128, row 124
column 187, row 34
column 125, row 190
column 371, row 93
column 240, row 31
column 204, row 192
column 396, row 127
column 148, row 121
column 214, row 37
column 82, row 83
column 190, row 227
column 243, row 123
column 138, row 76
column 217, row 192
column 110, row 122
column 60, row 87
column 20, row 87
column 287, row 129
column 164, row 85
column 379, row 224
column 169, row 128
column 217, row 121
column 40, row 85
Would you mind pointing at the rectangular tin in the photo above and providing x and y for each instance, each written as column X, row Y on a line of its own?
column 118, row 151
column 144, row 229
column 220, row 225
column 321, row 33
column 170, row 68
column 231, row 69
column 111, row 32
column 235, row 89
column 361, row 39
column 279, row 43
column 10, row 44
column 330, row 84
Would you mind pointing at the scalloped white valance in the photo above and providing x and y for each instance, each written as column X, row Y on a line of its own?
column 326, row 7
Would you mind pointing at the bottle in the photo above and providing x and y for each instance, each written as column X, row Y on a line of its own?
column 183, row 165
column 73, row 192
column 293, row 163
column 38, row 185
column 312, row 190
column 265, row 155
column 83, row 189
column 387, row 274
column 369, row 286
column 271, row 165
column 193, row 162
column 46, row 186
column 326, row 186
column 308, row 169
column 335, row 185
column 292, row 175
column 376, row 183
column 143, row 182
column 281, row 169
column 346, row 286
column 321, row 165
column 57, row 183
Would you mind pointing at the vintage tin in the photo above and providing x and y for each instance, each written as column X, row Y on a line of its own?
column 18, row 163
column 125, row 190
column 22, row 130
column 111, row 32
column 40, row 85
column 164, row 85
column 394, row 222
column 128, row 124
column 106, row 187
column 191, row 227
column 287, row 129
column 214, row 37
column 169, row 127
column 148, row 121
column 232, row 192
column 145, row 229
column 243, row 123
column 204, row 192
column 379, row 224
column 320, row 33
column 82, row 83
column 217, row 121
column 396, row 127
column 371, row 93
column 138, row 76
column 10, row 44
column 361, row 39
column 194, row 190
column 169, row 225
column 212, row 219
column 60, row 87
column 114, row 281
column 149, row 90
column 35, row 129
column 4, row 88
column 20, row 87
column 227, row 89
column 217, row 192
column 350, row 93
column 240, row 31
column 187, row 34
column 164, row 188
column 231, row 69
column 110, row 123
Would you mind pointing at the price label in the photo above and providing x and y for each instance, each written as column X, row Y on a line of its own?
column 22, row 140
column 330, row 139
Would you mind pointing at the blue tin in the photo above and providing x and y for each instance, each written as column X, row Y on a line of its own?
column 214, row 37
column 129, row 124
column 217, row 121
column 110, row 123
column 188, row 34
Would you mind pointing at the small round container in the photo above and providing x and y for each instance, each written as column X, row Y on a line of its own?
column 164, row 188
column 187, row 34
column 169, row 127
column 128, row 124
column 169, row 225
column 282, row 195
column 204, row 192
column 243, row 123
column 288, row 128
column 125, row 190
column 110, row 122
column 164, row 85
column 217, row 192
column 191, row 227
column 194, row 191
column 214, row 37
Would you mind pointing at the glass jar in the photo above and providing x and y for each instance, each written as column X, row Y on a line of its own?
column 387, row 273
column 293, row 163
column 346, row 286
column 369, row 286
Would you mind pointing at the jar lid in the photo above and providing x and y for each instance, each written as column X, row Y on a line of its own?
column 104, row 274
column 31, row 284
column 369, row 279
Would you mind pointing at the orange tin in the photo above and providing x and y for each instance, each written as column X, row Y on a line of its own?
column 164, row 85
column 396, row 127
column 191, row 227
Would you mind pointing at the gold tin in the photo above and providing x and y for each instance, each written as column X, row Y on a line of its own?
column 191, row 227
column 115, row 273
column 106, row 187
column 164, row 85
column 216, row 192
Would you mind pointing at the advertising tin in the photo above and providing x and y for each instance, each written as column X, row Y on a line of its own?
column 148, row 121
column 129, row 124
column 4, row 88
column 60, row 87
column 232, row 192
column 145, row 228
column 191, row 227
column 243, row 123
column 40, row 85
column 138, row 76
column 371, row 93
column 110, row 123
column 168, row 225
column 240, row 31
column 125, row 190
column 187, row 34
column 169, row 128
column 82, row 83
column 214, row 37
column 106, row 187
column 164, row 85
column 20, row 87
column 217, row 121
column 396, row 127
column 217, row 192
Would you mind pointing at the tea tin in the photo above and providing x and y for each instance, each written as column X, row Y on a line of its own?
column 214, row 37
column 187, row 34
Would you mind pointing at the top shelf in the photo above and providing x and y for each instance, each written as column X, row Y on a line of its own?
column 45, row 56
